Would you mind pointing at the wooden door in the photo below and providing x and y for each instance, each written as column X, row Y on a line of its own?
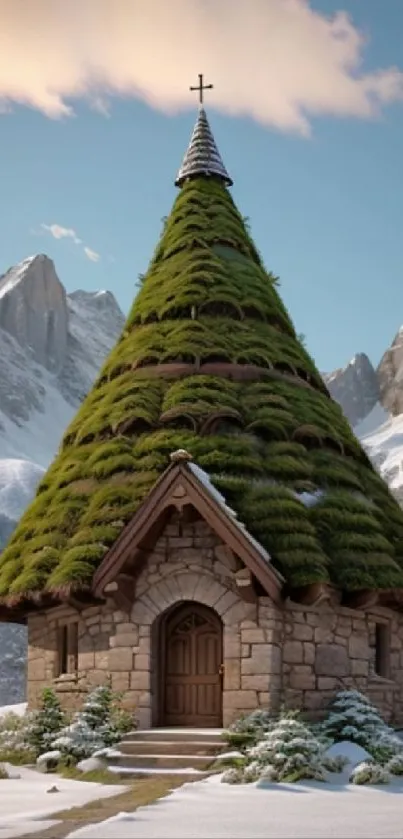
column 192, row 689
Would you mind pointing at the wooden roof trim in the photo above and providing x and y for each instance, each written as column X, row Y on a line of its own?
column 161, row 497
column 135, row 529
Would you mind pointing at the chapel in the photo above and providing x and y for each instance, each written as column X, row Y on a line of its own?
column 211, row 537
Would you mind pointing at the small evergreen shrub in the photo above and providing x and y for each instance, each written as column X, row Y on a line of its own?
column 248, row 729
column 100, row 724
column 369, row 773
column 14, row 747
column 335, row 764
column 288, row 752
column 45, row 723
column 395, row 765
column 353, row 717
column 3, row 773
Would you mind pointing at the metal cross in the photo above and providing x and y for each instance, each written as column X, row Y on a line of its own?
column 201, row 87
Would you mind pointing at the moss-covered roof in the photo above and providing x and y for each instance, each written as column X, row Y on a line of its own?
column 209, row 361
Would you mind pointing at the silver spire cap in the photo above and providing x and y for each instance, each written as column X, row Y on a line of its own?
column 202, row 156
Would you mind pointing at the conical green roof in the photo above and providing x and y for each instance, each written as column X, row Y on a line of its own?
column 209, row 361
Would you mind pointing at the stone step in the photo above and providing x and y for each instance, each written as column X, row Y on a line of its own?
column 172, row 735
column 139, row 772
column 158, row 761
column 169, row 747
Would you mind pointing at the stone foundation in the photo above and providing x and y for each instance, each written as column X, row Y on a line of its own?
column 294, row 655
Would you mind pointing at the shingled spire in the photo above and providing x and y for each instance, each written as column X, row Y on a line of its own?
column 202, row 156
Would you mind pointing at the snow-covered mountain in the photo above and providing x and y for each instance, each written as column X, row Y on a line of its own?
column 372, row 400
column 52, row 345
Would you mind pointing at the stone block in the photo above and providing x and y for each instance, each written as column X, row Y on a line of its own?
column 140, row 680
column 126, row 639
column 120, row 658
column 257, row 682
column 101, row 660
column 36, row 670
column 275, row 660
column 226, row 601
column 86, row 661
column 142, row 662
column 309, row 653
column 253, row 636
column 239, row 611
column 231, row 643
column 323, row 635
column 358, row 647
column 303, row 681
column 331, row 660
column 302, row 632
column 293, row 652
column 259, row 660
column 327, row 683
column 245, row 650
column 359, row 667
column 242, row 700
column 232, row 675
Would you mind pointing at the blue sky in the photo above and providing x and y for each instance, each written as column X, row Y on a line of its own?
column 326, row 210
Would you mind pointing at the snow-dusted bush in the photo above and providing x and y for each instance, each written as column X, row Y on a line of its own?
column 353, row 717
column 232, row 776
column 3, row 772
column 99, row 725
column 395, row 765
column 45, row 723
column 369, row 773
column 14, row 747
column 336, row 763
column 248, row 729
column 288, row 752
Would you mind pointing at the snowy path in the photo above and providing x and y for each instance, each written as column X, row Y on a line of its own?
column 209, row 808
column 25, row 803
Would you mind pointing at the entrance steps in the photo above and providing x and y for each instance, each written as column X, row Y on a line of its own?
column 173, row 751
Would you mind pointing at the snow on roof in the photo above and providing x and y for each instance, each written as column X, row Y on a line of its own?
column 205, row 480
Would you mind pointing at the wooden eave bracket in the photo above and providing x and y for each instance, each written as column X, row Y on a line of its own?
column 245, row 583
column 314, row 594
column 364, row 599
column 122, row 590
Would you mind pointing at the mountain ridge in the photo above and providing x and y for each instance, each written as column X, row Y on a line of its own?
column 44, row 376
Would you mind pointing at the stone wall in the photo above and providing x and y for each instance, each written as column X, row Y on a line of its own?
column 295, row 655
column 188, row 563
column 329, row 649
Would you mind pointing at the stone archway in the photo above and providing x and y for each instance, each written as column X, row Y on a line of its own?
column 190, row 679
column 147, row 614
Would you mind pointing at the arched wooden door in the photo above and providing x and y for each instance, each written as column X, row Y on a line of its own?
column 191, row 691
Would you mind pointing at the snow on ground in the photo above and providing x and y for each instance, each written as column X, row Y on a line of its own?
column 18, row 709
column 301, row 811
column 25, row 804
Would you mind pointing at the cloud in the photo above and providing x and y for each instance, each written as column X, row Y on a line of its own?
column 278, row 61
column 59, row 232
column 91, row 255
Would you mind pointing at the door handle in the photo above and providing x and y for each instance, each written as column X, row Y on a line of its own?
column 221, row 670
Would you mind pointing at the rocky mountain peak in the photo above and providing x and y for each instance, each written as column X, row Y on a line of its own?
column 390, row 376
column 33, row 309
column 355, row 387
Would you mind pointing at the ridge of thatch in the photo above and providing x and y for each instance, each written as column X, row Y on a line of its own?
column 209, row 361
